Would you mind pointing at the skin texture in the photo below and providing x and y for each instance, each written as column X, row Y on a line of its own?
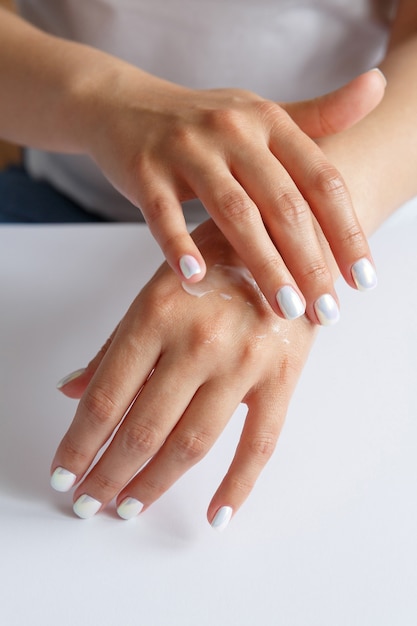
column 384, row 142
column 217, row 357
column 252, row 162
column 227, row 351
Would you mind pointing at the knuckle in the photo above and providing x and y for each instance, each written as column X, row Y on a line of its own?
column 156, row 210
column 206, row 336
column 70, row 450
column 293, row 208
column 241, row 484
column 236, row 206
column 225, row 120
column 181, row 135
column 316, row 272
column 103, row 484
column 190, row 447
column 328, row 180
column 262, row 446
column 139, row 439
column 352, row 237
column 153, row 488
column 268, row 265
column 101, row 407
column 273, row 115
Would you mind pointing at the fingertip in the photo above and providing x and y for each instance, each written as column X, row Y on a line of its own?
column 380, row 74
column 191, row 268
column 221, row 518
column 73, row 384
column 364, row 275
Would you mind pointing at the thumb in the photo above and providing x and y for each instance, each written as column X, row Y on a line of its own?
column 73, row 385
column 339, row 109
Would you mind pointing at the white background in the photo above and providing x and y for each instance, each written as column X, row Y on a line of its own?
column 328, row 537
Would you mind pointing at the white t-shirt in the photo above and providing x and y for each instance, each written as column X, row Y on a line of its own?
column 282, row 49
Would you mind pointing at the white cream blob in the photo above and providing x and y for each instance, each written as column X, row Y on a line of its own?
column 218, row 280
column 223, row 280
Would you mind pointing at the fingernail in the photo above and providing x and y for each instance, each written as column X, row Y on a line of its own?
column 189, row 266
column 86, row 506
column 327, row 310
column 222, row 518
column 62, row 479
column 290, row 303
column 376, row 69
column 129, row 507
column 68, row 379
column 364, row 275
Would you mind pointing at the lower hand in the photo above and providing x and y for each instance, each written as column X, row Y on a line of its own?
column 168, row 381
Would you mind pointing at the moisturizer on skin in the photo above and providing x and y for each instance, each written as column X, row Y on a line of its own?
column 231, row 283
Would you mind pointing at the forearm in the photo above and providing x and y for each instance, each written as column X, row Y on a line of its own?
column 378, row 156
column 51, row 87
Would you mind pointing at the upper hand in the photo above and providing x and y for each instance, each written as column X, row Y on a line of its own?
column 254, row 166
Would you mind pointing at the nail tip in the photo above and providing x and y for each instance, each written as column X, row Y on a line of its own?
column 290, row 303
column 129, row 508
column 62, row 480
column 189, row 266
column 381, row 73
column 364, row 275
column 222, row 519
column 86, row 507
column 327, row 310
column 70, row 377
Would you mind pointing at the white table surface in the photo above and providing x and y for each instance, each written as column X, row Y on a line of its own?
column 329, row 536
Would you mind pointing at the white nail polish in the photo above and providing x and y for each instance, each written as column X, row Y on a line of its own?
column 364, row 275
column 327, row 310
column 86, row 506
column 62, row 479
column 222, row 518
column 129, row 507
column 189, row 266
column 68, row 379
column 290, row 303
column 376, row 69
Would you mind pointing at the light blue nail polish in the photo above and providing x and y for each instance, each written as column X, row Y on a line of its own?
column 327, row 310
column 364, row 275
column 222, row 518
column 290, row 303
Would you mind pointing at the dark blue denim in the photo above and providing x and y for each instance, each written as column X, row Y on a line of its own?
column 25, row 200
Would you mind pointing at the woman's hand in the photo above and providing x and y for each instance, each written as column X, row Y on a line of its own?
column 254, row 166
column 251, row 161
column 168, row 380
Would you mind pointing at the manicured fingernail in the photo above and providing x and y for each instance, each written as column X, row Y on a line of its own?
column 364, row 275
column 290, row 303
column 129, row 507
column 68, row 379
column 86, row 506
column 376, row 69
column 62, row 479
column 189, row 266
column 327, row 310
column 222, row 518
